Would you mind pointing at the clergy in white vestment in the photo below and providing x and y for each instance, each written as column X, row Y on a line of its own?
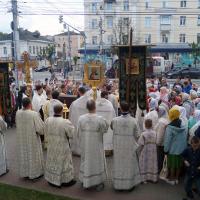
column 48, row 107
column 29, row 148
column 112, row 98
column 126, row 174
column 39, row 98
column 91, row 129
column 59, row 169
column 78, row 108
column 3, row 164
column 105, row 109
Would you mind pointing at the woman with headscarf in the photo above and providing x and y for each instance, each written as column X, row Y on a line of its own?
column 175, row 142
column 194, row 119
column 164, row 95
column 160, row 133
column 188, row 105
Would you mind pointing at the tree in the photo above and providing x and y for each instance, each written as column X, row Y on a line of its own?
column 75, row 59
column 195, row 52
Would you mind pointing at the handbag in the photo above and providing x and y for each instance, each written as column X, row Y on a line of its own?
column 164, row 172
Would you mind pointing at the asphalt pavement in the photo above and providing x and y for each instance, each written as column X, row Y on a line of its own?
column 150, row 191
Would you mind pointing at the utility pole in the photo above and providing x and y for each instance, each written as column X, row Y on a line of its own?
column 101, row 37
column 15, row 37
column 69, row 51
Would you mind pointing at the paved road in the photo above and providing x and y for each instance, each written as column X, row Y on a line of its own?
column 150, row 191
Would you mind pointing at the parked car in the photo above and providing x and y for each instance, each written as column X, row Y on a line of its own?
column 189, row 71
column 41, row 69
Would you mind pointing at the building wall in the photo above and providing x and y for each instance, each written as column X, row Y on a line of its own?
column 76, row 43
column 174, row 29
column 104, row 12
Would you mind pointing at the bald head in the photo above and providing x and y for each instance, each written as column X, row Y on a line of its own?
column 91, row 106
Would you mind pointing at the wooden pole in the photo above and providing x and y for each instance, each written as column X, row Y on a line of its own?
column 129, row 66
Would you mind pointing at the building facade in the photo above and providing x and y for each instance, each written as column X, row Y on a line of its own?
column 169, row 22
column 153, row 22
column 63, row 47
column 30, row 42
column 107, row 22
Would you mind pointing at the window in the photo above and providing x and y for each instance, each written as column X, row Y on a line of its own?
column 41, row 49
column 165, row 20
column 147, row 22
column 198, row 20
column 33, row 49
column 183, row 4
column 94, row 23
column 147, row 2
column 30, row 49
column 198, row 38
column 165, row 38
column 109, row 6
column 94, row 39
column 110, row 39
column 198, row 3
column 37, row 50
column 164, row 4
column 109, row 22
column 126, row 21
column 182, row 38
column 126, row 5
column 5, row 50
column 182, row 20
column 94, row 7
column 147, row 38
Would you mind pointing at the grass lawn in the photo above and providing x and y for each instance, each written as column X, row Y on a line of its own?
column 8, row 192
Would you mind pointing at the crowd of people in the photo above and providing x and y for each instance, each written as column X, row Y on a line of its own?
column 165, row 143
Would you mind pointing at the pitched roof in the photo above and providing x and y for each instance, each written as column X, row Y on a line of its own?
column 25, row 35
column 71, row 33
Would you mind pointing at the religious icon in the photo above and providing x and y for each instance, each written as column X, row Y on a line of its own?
column 134, row 68
column 94, row 72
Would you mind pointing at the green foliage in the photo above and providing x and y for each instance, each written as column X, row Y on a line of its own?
column 8, row 192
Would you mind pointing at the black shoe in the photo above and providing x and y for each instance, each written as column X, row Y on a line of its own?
column 69, row 184
column 190, row 195
column 37, row 178
column 53, row 185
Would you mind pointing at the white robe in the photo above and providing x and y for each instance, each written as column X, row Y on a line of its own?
column 3, row 164
column 112, row 98
column 59, row 167
column 38, row 101
column 91, row 128
column 29, row 147
column 126, row 167
column 77, row 108
column 105, row 109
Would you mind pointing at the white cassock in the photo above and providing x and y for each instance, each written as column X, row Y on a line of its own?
column 3, row 164
column 126, row 172
column 91, row 128
column 77, row 108
column 105, row 109
column 59, row 167
column 38, row 101
column 112, row 98
column 29, row 147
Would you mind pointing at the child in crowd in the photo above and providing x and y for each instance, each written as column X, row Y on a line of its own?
column 191, row 156
column 148, row 156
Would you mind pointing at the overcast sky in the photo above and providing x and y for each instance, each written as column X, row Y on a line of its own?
column 44, row 24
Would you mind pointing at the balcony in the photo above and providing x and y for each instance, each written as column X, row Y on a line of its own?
column 165, row 27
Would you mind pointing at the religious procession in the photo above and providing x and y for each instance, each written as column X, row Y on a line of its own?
column 160, row 143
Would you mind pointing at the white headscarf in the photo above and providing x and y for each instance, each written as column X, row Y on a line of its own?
column 197, row 115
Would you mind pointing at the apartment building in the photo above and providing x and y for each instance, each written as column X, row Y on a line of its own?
column 153, row 21
column 108, row 22
column 168, row 22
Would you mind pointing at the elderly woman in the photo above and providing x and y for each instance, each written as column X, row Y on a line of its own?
column 160, row 133
column 175, row 142
column 194, row 119
column 188, row 105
